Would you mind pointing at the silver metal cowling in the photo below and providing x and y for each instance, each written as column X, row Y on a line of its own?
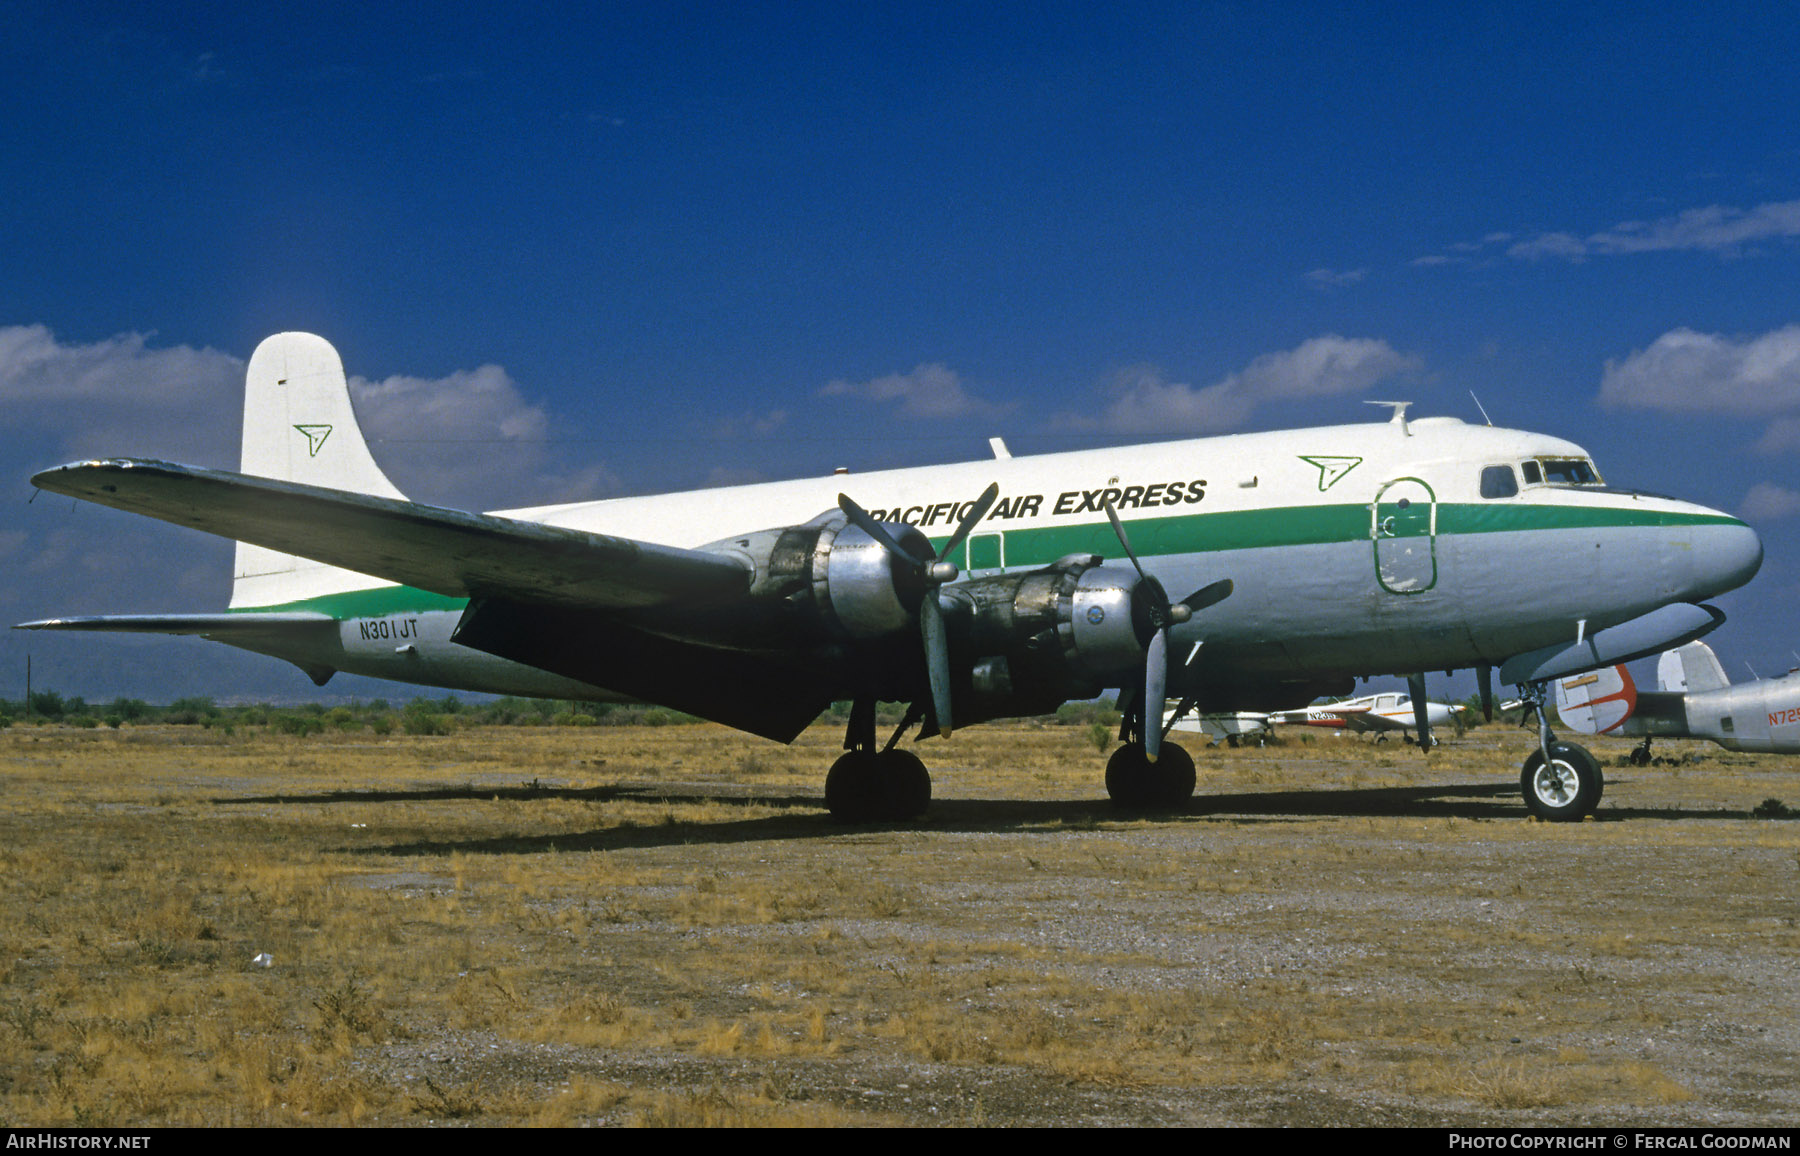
column 860, row 587
column 1102, row 639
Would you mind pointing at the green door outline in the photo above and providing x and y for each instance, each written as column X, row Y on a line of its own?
column 1403, row 529
column 985, row 554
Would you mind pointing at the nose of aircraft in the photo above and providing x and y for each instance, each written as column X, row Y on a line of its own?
column 1726, row 554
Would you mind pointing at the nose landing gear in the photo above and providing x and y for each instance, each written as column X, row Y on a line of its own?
column 1561, row 781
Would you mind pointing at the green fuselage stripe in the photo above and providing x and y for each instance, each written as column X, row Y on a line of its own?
column 1151, row 537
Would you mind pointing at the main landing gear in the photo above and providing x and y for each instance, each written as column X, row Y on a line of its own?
column 1136, row 783
column 867, row 785
column 1561, row 781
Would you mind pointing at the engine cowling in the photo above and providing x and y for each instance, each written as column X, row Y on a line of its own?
column 832, row 580
column 1021, row 643
column 1037, row 639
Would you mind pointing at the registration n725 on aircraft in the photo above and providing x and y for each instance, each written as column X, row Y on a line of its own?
column 1298, row 560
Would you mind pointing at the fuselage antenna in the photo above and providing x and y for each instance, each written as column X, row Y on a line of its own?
column 1479, row 406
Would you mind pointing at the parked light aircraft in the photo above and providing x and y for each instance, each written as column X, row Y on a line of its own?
column 1695, row 700
column 1378, row 714
column 971, row 591
column 1230, row 727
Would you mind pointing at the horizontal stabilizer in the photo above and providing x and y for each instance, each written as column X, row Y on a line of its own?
column 447, row 552
column 205, row 625
column 1644, row 635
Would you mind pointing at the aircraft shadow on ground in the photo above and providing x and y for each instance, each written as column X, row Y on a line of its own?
column 803, row 816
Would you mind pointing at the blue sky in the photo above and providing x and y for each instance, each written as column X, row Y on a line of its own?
column 667, row 246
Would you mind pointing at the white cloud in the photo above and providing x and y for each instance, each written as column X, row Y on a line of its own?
column 1767, row 502
column 1719, row 229
column 1145, row 402
column 1567, row 246
column 1335, row 278
column 467, row 438
column 119, row 396
column 1684, row 371
column 1782, row 435
column 930, row 391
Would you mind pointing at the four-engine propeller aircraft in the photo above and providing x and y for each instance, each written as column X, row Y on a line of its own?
column 970, row 591
column 1694, row 700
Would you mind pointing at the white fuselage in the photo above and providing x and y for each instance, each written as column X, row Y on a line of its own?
column 1354, row 550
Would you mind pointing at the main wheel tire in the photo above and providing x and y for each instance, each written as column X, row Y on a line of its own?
column 1137, row 784
column 1567, row 788
column 853, row 788
column 866, row 787
column 905, row 783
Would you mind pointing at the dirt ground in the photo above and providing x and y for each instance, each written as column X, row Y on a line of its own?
column 606, row 926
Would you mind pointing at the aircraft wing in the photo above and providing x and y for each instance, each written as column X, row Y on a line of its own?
column 448, row 552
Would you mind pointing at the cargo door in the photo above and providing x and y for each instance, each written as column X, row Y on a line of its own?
column 1403, row 527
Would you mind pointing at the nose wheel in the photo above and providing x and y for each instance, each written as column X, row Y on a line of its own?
column 1561, row 781
column 1564, row 788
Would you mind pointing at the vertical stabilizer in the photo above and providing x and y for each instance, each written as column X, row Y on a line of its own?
column 299, row 427
column 1692, row 669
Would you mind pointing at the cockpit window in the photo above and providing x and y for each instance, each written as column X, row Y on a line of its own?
column 1498, row 482
column 1570, row 472
column 1560, row 472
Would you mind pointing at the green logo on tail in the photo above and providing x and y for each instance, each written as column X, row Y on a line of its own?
column 315, row 437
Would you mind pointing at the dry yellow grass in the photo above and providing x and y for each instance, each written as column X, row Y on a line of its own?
column 660, row 926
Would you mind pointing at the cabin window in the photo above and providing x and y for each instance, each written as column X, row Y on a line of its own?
column 1498, row 482
column 1533, row 475
column 1725, row 724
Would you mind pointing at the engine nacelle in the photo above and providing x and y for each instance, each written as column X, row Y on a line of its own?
column 1020, row 644
column 1040, row 638
column 833, row 578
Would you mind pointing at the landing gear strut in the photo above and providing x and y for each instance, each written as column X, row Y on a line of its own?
column 1561, row 781
column 867, row 785
column 1133, row 781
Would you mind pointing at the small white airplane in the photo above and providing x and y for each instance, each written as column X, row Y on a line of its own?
column 970, row 591
column 1229, row 727
column 1378, row 714
column 1694, row 700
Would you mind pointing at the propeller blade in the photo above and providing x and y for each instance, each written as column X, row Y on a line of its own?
column 860, row 518
column 1156, row 679
column 982, row 505
column 1112, row 516
column 936, row 574
column 1485, row 675
column 1208, row 595
column 937, row 659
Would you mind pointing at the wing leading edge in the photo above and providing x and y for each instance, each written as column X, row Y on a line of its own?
column 444, row 551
